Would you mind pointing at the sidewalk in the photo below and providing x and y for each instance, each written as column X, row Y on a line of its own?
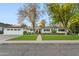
column 39, row 40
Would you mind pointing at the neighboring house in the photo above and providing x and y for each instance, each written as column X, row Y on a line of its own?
column 1, row 30
column 5, row 25
column 46, row 30
column 13, row 31
column 2, row 26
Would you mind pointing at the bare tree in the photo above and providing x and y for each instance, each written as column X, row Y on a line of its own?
column 31, row 12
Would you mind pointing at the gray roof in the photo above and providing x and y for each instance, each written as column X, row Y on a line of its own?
column 13, row 27
column 5, row 25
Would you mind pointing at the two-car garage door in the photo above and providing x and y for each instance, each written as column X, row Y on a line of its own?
column 13, row 31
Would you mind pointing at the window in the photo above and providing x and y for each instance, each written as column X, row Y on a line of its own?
column 8, row 29
column 15, row 29
column 46, row 29
column 30, row 29
column 11, row 29
column 62, row 30
column 18, row 29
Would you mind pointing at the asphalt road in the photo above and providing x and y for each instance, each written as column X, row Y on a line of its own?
column 39, row 49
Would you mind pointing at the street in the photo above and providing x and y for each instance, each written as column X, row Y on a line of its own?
column 39, row 49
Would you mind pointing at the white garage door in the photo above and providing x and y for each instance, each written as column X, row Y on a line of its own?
column 13, row 31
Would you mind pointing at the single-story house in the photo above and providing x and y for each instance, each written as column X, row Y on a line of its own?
column 50, row 29
column 13, row 31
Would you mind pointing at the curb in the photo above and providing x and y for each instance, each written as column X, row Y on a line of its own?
column 40, row 42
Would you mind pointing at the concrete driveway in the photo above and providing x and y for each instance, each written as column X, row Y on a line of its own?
column 6, row 37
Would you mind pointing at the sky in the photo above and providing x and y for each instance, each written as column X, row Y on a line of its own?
column 8, row 13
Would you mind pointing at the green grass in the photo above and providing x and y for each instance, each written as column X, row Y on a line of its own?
column 25, row 37
column 60, row 37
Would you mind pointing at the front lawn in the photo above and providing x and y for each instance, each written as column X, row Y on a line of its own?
column 26, row 37
column 60, row 37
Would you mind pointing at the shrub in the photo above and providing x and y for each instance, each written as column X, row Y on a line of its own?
column 24, row 33
column 53, row 31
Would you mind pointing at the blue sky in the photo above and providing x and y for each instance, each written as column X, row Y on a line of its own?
column 8, row 13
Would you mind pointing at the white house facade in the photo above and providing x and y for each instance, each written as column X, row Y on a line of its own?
column 46, row 30
column 13, row 31
column 61, row 31
column 30, row 31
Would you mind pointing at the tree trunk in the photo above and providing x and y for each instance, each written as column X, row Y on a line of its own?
column 65, row 27
column 33, row 26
